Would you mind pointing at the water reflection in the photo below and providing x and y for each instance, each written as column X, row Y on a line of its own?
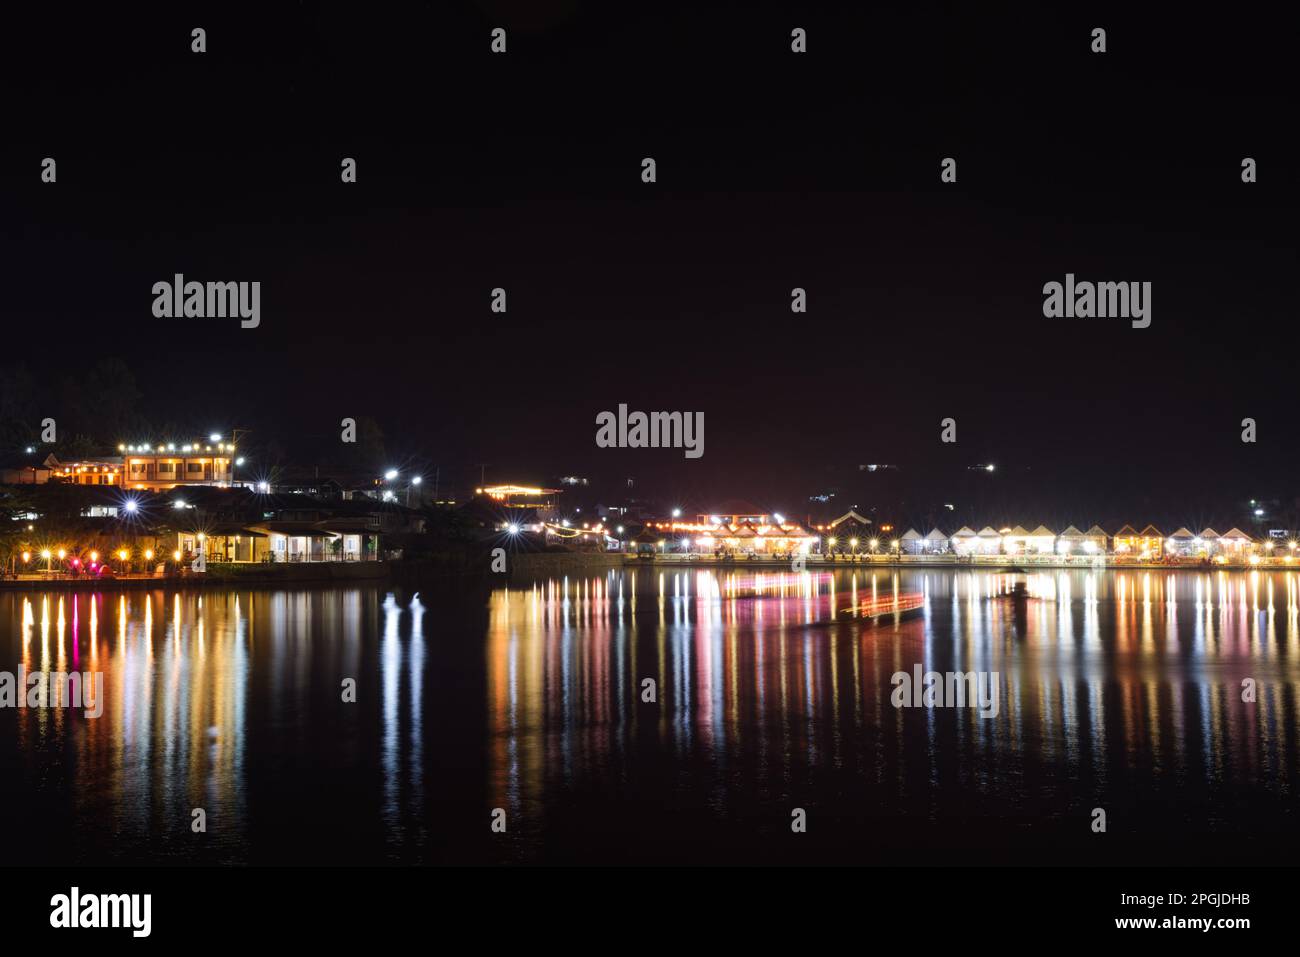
column 1120, row 687
column 655, row 715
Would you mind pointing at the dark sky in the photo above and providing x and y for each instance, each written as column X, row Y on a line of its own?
column 774, row 171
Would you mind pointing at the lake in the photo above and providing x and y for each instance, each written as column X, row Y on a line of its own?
column 659, row 716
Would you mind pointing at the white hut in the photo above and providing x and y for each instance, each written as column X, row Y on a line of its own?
column 1014, row 541
column 911, row 542
column 936, row 542
column 1181, row 544
column 1041, row 541
column 1070, row 541
column 990, row 541
column 1095, row 540
column 1207, row 543
column 1237, row 542
column 965, row 541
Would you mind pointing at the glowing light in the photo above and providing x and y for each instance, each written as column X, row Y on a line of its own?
column 148, row 554
column 177, row 554
column 45, row 553
column 390, row 474
column 94, row 556
column 512, row 529
column 780, row 519
column 27, row 557
column 417, row 480
column 200, row 536
column 61, row 554
column 131, row 505
column 677, row 513
column 123, row 554
column 239, row 461
column 214, row 437
column 179, row 503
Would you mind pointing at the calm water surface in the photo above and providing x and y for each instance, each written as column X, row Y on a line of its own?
column 1120, row 691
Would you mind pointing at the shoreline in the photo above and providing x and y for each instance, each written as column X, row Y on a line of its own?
column 538, row 563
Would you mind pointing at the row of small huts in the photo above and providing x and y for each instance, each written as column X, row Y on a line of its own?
column 1150, row 542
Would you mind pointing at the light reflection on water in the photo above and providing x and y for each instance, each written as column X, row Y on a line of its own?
column 1120, row 689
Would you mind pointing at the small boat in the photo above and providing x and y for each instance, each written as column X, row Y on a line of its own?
column 874, row 609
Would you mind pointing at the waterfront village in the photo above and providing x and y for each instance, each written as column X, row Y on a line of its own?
column 186, row 510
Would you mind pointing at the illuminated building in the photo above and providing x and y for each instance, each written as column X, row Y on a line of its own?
column 912, row 542
column 1095, row 540
column 935, row 542
column 1041, row 541
column 1014, row 540
column 1070, row 541
column 965, row 541
column 1181, row 544
column 1236, row 542
column 989, row 541
column 155, row 467
column 520, row 496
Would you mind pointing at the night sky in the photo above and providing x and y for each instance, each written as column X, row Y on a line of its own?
column 775, row 170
